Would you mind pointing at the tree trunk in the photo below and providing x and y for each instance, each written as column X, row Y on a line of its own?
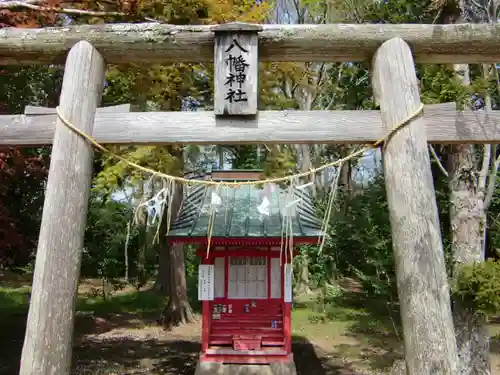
column 346, row 177
column 126, row 251
column 467, row 219
column 163, row 276
column 142, row 224
column 303, row 286
column 468, row 224
column 178, row 310
column 345, row 182
column 472, row 341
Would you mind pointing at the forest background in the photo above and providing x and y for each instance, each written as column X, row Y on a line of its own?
column 121, row 251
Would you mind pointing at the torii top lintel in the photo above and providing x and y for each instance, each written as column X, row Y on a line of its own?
column 155, row 43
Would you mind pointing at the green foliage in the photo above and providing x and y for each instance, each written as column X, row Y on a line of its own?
column 105, row 237
column 478, row 287
column 280, row 161
column 28, row 85
column 191, row 262
column 359, row 241
column 244, row 157
column 439, row 85
column 23, row 170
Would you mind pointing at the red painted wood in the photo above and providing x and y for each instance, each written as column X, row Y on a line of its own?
column 206, row 317
column 226, row 351
column 257, row 241
column 228, row 340
column 287, row 326
column 264, row 331
column 257, row 323
column 262, row 306
column 245, row 359
column 287, row 313
column 271, row 342
column 221, row 334
column 226, row 275
column 247, row 342
column 242, row 252
column 283, row 285
column 269, row 274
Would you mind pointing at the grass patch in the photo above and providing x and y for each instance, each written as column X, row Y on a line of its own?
column 352, row 328
column 14, row 300
column 304, row 325
column 133, row 302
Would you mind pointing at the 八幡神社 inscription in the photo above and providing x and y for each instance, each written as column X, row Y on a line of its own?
column 236, row 68
column 236, row 77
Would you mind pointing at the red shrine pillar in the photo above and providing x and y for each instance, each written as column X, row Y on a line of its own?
column 286, row 284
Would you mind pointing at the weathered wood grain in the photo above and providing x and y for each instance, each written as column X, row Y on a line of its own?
column 34, row 110
column 443, row 125
column 150, row 43
column 429, row 339
column 49, row 332
column 236, row 70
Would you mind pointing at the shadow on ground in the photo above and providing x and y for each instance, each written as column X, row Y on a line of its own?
column 375, row 323
column 311, row 360
column 94, row 316
column 371, row 329
column 128, row 356
column 102, row 355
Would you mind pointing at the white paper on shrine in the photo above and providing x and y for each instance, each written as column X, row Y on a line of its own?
column 287, row 281
column 263, row 208
column 206, row 282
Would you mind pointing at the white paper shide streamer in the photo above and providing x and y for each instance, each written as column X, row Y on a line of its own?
column 266, row 196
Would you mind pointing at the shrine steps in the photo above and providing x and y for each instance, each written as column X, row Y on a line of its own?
column 236, row 328
column 256, row 335
column 250, row 321
column 257, row 319
column 278, row 340
column 229, row 351
column 245, row 331
column 276, row 359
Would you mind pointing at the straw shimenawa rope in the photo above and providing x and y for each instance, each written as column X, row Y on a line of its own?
column 312, row 171
column 286, row 229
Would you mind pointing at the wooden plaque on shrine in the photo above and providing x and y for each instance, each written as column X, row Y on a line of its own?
column 206, row 282
column 236, row 68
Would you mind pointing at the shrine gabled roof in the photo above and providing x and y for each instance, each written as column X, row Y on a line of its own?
column 237, row 215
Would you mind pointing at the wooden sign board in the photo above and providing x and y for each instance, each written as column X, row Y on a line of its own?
column 236, row 69
column 206, row 282
column 287, row 281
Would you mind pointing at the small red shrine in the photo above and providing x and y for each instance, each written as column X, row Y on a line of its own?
column 245, row 275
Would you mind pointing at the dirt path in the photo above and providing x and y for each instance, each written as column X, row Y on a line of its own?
column 151, row 350
column 131, row 342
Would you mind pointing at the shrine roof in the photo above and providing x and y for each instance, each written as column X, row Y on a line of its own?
column 237, row 215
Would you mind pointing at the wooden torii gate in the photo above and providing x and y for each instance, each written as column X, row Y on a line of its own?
column 418, row 251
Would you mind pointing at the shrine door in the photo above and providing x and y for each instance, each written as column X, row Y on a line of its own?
column 247, row 277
